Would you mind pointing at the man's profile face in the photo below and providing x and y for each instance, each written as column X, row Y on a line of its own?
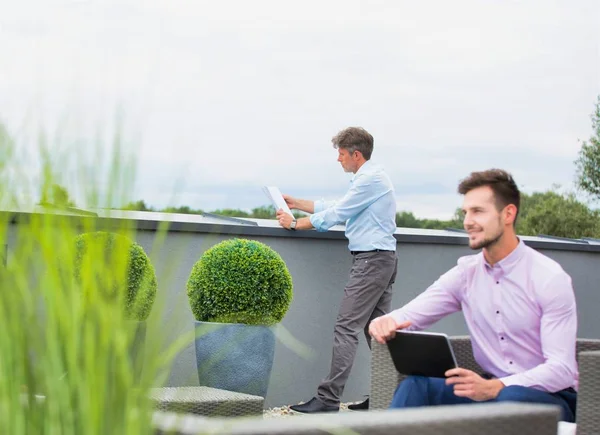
column 482, row 220
column 346, row 160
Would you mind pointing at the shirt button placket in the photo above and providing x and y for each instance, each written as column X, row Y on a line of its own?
column 500, row 327
column 499, row 320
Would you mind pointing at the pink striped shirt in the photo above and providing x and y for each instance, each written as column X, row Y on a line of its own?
column 520, row 313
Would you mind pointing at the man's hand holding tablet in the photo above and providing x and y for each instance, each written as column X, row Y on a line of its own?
column 469, row 384
column 384, row 328
column 466, row 382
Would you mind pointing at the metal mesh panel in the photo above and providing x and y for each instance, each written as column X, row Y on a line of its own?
column 206, row 401
column 588, row 396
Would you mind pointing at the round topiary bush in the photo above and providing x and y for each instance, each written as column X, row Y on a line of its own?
column 104, row 256
column 240, row 281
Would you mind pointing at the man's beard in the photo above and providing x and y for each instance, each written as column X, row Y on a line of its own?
column 486, row 243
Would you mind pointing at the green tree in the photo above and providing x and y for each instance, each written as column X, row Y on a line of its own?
column 406, row 219
column 263, row 212
column 457, row 219
column 268, row 212
column 137, row 206
column 56, row 195
column 588, row 162
column 231, row 212
column 555, row 214
column 184, row 209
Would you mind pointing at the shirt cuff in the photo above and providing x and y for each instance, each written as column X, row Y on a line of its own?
column 511, row 380
column 317, row 221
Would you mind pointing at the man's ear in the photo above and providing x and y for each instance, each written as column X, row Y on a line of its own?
column 510, row 213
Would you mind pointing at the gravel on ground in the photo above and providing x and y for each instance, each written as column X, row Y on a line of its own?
column 286, row 412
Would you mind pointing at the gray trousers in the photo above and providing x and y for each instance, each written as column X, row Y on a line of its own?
column 367, row 295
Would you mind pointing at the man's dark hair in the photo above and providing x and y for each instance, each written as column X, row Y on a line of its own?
column 354, row 139
column 502, row 184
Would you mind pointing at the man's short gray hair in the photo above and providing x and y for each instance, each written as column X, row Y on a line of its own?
column 354, row 139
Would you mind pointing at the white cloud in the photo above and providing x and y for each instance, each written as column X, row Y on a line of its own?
column 237, row 93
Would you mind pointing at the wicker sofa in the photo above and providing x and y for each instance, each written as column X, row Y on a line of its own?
column 491, row 419
column 385, row 378
column 206, row 401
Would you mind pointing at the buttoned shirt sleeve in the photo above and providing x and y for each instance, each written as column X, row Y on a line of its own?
column 558, row 332
column 442, row 298
column 365, row 190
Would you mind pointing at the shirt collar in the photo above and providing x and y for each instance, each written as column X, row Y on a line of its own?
column 364, row 168
column 508, row 263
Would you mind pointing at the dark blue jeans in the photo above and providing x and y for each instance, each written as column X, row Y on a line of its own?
column 422, row 391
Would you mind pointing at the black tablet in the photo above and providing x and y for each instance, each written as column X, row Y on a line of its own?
column 422, row 353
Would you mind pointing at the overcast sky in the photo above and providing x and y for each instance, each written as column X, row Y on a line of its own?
column 219, row 98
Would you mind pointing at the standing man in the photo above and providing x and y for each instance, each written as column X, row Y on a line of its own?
column 369, row 211
column 518, row 304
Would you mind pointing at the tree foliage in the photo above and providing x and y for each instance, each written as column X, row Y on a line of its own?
column 549, row 213
column 137, row 206
column 555, row 214
column 56, row 195
column 262, row 212
column 588, row 162
column 407, row 219
column 232, row 212
column 184, row 209
column 542, row 213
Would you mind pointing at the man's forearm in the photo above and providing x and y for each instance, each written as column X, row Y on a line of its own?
column 304, row 224
column 305, row 205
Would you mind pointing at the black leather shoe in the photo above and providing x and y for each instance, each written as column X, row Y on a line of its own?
column 362, row 406
column 314, row 405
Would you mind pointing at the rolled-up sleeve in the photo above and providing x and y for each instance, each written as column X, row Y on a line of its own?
column 363, row 192
column 321, row 205
column 558, row 331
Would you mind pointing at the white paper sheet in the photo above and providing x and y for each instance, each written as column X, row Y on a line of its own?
column 276, row 198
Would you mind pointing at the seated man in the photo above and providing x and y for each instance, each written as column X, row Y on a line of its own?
column 519, row 308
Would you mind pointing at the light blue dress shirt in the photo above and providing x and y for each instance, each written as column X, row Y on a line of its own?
column 368, row 209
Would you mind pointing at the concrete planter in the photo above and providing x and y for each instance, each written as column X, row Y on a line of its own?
column 235, row 357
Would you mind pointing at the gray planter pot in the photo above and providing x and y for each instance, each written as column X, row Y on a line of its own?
column 235, row 357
